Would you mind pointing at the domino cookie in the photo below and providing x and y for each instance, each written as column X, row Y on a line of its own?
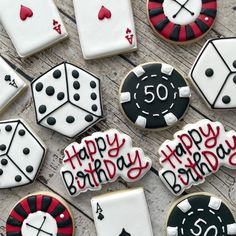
column 21, row 152
column 182, row 21
column 200, row 214
column 11, row 84
column 102, row 158
column 154, row 96
column 40, row 214
column 196, row 152
column 67, row 100
column 32, row 25
column 215, row 79
column 122, row 213
column 106, row 27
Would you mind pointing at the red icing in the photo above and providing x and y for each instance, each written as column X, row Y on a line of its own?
column 104, row 13
column 25, row 12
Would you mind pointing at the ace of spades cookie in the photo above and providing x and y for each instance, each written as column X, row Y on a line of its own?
column 32, row 25
column 106, row 27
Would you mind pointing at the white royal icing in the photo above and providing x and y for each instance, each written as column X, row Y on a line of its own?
column 184, row 206
column 215, row 203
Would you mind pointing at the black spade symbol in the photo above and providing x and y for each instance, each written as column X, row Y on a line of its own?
column 100, row 216
column 7, row 78
column 124, row 233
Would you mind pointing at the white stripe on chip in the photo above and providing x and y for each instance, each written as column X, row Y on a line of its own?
column 166, row 69
column 184, row 92
column 172, row 231
column 125, row 97
column 215, row 203
column 184, row 206
column 231, row 229
column 141, row 121
column 170, row 119
column 139, row 71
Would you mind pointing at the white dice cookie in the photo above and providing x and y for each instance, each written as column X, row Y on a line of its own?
column 67, row 100
column 32, row 25
column 10, row 84
column 122, row 213
column 105, row 27
column 21, row 152
column 214, row 73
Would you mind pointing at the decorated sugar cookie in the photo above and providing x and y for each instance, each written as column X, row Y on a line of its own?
column 22, row 18
column 106, row 27
column 21, row 152
column 102, row 158
column 11, row 84
column 40, row 214
column 122, row 213
column 196, row 152
column 215, row 79
column 67, row 100
column 182, row 21
column 154, row 96
column 200, row 214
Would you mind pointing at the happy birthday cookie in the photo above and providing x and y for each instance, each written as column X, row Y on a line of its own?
column 154, row 96
column 182, row 21
column 40, row 214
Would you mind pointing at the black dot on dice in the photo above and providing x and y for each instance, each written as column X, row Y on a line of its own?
column 39, row 87
column 94, row 107
column 42, row 109
column 1, row 171
column 234, row 79
column 209, row 72
column 93, row 84
column 234, row 64
column 3, row 147
column 18, row 178
column 29, row 169
column 57, row 74
column 226, row 99
column 21, row 132
column 89, row 118
column 51, row 121
column 76, row 85
column 70, row 119
column 75, row 74
column 26, row 151
column 8, row 128
column 77, row 97
column 60, row 96
column 94, row 96
column 4, row 162
column 50, row 90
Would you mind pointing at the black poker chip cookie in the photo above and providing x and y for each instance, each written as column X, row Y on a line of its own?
column 200, row 214
column 154, row 96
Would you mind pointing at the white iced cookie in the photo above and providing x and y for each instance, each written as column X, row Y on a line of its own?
column 196, row 152
column 10, row 84
column 102, row 158
column 21, row 152
column 122, row 213
column 215, row 79
column 105, row 27
column 67, row 100
column 32, row 25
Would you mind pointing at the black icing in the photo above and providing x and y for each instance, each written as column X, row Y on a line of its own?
column 75, row 74
column 51, row 120
column 209, row 72
column 226, row 99
column 70, row 119
column 93, row 84
column 76, row 85
column 57, row 74
column 32, row 203
column 50, row 91
column 59, row 209
column 76, row 97
column 60, row 96
column 89, row 118
column 21, row 132
column 8, row 128
column 26, row 151
column 46, row 201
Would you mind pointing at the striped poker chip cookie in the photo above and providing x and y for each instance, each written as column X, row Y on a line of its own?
column 200, row 214
column 182, row 21
column 40, row 215
column 154, row 96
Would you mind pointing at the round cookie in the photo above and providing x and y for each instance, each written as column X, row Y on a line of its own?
column 200, row 214
column 181, row 21
column 41, row 214
column 154, row 96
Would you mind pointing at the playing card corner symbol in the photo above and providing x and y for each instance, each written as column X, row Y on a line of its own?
column 124, row 233
column 25, row 12
column 104, row 13
column 129, row 36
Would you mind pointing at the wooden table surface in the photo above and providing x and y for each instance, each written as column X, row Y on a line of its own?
column 111, row 71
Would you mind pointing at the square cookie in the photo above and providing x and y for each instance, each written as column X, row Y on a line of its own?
column 123, row 213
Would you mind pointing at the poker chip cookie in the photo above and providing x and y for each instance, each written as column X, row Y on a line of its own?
column 41, row 214
column 154, row 96
column 182, row 21
column 200, row 214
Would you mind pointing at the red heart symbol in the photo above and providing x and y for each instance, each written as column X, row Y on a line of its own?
column 25, row 12
column 104, row 13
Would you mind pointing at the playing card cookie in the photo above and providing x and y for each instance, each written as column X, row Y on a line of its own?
column 122, row 213
column 106, row 27
column 200, row 214
column 21, row 152
column 215, row 79
column 154, row 96
column 11, row 84
column 102, row 158
column 67, row 100
column 32, row 25
column 182, row 21
column 196, row 152
column 40, row 214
